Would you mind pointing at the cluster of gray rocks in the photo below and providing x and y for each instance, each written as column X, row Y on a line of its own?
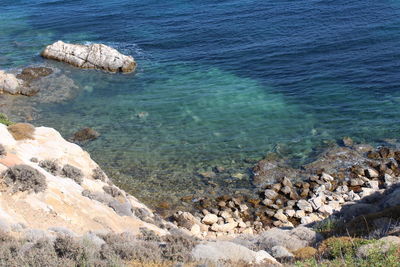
column 359, row 186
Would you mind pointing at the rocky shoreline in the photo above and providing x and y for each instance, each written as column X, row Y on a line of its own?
column 52, row 190
column 337, row 180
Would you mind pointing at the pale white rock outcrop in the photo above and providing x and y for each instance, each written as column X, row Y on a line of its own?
column 225, row 251
column 91, row 56
column 62, row 205
column 9, row 83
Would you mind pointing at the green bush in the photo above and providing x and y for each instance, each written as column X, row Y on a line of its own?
column 4, row 119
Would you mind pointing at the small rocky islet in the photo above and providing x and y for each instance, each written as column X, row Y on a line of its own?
column 42, row 172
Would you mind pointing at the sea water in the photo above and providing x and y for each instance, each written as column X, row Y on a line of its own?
column 219, row 83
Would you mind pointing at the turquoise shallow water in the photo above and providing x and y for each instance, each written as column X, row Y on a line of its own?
column 218, row 84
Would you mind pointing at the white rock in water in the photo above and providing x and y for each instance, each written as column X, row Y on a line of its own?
column 92, row 56
column 9, row 83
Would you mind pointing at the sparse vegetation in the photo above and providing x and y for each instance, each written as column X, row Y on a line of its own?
column 112, row 190
column 326, row 225
column 4, row 119
column 25, row 178
column 72, row 172
column 21, row 131
column 51, row 166
column 98, row 174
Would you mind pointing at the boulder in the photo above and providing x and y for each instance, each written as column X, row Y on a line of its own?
column 226, row 227
column 210, row 219
column 10, row 84
column 304, row 205
column 294, row 239
column 270, row 194
column 280, row 216
column 279, row 252
column 91, row 56
column 371, row 173
column 84, row 135
column 221, row 251
column 186, row 219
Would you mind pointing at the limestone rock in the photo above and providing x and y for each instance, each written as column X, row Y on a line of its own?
column 10, row 84
column 270, row 194
column 279, row 252
column 63, row 203
column 371, row 173
column 280, row 216
column 304, row 205
column 326, row 177
column 210, row 219
column 186, row 219
column 92, row 56
column 294, row 239
column 227, row 251
column 224, row 227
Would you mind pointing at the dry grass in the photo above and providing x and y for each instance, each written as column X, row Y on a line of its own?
column 305, row 253
column 21, row 131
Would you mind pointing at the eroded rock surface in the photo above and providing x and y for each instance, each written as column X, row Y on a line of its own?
column 92, row 56
column 36, row 194
column 10, row 84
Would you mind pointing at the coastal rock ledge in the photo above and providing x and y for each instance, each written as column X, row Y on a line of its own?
column 92, row 56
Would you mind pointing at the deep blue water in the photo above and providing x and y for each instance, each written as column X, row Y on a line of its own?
column 223, row 82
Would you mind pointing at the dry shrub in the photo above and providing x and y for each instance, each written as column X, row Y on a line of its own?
column 72, row 172
column 25, row 178
column 42, row 254
column 21, row 131
column 67, row 247
column 112, row 190
column 99, row 174
column 305, row 253
column 50, row 166
column 178, row 247
column 128, row 248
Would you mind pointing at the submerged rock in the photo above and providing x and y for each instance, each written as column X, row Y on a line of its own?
column 34, row 73
column 84, row 135
column 92, row 56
